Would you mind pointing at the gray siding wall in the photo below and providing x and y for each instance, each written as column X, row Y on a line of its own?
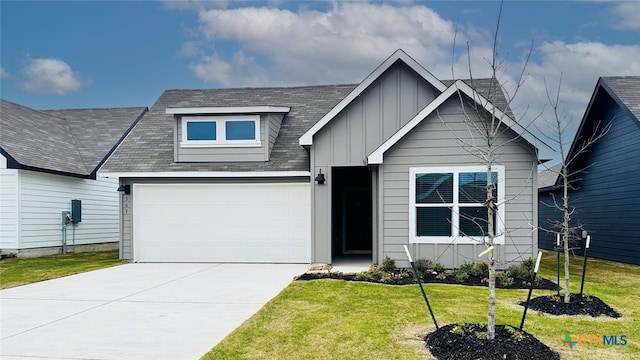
column 126, row 201
column 432, row 143
column 607, row 199
column 214, row 154
column 273, row 122
column 380, row 111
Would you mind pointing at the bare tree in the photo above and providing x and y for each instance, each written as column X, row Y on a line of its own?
column 568, row 175
column 486, row 127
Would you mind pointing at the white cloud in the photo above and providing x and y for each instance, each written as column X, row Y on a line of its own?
column 49, row 75
column 340, row 45
column 3, row 73
column 580, row 64
column 347, row 41
column 626, row 15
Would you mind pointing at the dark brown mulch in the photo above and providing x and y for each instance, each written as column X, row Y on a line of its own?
column 403, row 277
column 578, row 305
column 508, row 344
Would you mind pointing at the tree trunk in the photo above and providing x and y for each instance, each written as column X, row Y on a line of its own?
column 565, row 236
column 491, row 318
column 491, row 205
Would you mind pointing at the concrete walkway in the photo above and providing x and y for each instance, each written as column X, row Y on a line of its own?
column 136, row 311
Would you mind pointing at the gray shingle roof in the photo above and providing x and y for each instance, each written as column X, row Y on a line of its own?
column 149, row 146
column 549, row 177
column 64, row 141
column 627, row 89
column 98, row 131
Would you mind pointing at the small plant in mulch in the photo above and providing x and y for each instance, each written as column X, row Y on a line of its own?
column 472, row 274
column 468, row 342
column 578, row 305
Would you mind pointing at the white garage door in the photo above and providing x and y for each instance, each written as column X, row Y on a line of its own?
column 222, row 223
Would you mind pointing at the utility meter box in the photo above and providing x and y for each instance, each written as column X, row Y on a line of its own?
column 76, row 211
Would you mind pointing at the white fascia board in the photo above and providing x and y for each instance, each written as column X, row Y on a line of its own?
column 544, row 150
column 203, row 174
column 307, row 138
column 228, row 110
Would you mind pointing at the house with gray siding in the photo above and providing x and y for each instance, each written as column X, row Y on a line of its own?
column 50, row 158
column 606, row 195
column 307, row 174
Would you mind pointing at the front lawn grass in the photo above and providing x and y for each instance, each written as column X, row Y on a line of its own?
column 21, row 271
column 336, row 319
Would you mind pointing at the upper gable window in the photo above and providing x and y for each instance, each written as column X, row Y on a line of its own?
column 220, row 131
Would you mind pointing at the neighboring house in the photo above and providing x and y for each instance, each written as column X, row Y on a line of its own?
column 47, row 159
column 607, row 195
column 305, row 174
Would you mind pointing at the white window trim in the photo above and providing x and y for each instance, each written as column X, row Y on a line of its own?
column 500, row 216
column 220, row 132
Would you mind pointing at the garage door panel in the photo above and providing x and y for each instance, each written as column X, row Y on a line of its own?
column 222, row 223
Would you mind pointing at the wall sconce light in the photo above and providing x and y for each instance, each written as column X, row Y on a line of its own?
column 126, row 189
column 320, row 178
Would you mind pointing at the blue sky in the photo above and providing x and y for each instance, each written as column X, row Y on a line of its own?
column 124, row 53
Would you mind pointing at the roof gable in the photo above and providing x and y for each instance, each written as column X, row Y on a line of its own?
column 307, row 138
column 544, row 150
column 624, row 90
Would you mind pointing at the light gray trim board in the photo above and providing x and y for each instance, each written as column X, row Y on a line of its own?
column 206, row 174
column 228, row 110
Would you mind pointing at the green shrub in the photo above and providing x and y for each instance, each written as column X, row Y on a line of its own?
column 514, row 333
column 461, row 275
column 423, row 266
column 388, row 264
column 458, row 330
column 521, row 271
column 529, row 264
column 504, row 279
column 467, row 267
column 438, row 268
column 481, row 270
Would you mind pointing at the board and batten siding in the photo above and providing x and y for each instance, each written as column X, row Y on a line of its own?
column 235, row 154
column 9, row 206
column 42, row 198
column 370, row 119
column 432, row 144
column 607, row 198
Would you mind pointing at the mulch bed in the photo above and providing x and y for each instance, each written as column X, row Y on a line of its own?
column 509, row 345
column 578, row 305
column 402, row 277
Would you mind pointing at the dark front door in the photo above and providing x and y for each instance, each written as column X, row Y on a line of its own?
column 351, row 211
column 357, row 220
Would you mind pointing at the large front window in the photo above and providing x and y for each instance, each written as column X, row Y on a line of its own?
column 214, row 131
column 447, row 205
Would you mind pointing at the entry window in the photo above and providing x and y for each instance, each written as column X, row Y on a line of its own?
column 220, row 131
column 447, row 204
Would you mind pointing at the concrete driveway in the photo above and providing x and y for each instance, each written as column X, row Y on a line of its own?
column 136, row 311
